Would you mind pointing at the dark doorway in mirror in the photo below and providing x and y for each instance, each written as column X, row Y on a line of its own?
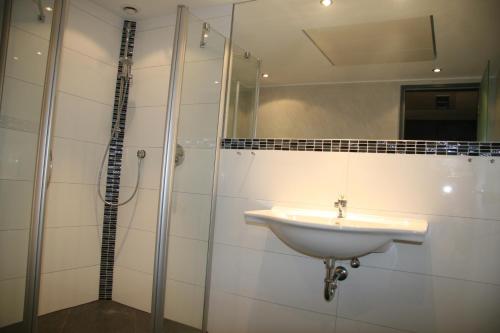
column 440, row 112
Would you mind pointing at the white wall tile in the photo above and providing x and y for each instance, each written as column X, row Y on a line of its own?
column 198, row 124
column 156, row 22
column 153, row 47
column 195, row 174
column 149, row 86
column 450, row 243
column 13, row 253
column 213, row 49
column 418, row 302
column 141, row 212
column 231, row 313
column 349, row 326
column 17, row 154
column 410, row 183
column 82, row 119
column 231, row 227
column 305, row 177
column 73, row 205
column 15, row 204
column 86, row 77
column 135, row 249
column 65, row 289
column 198, row 85
column 132, row 288
column 22, row 61
column 145, row 126
column 150, row 169
column 101, row 13
column 75, row 161
column 190, row 215
column 184, row 303
column 92, row 36
column 70, row 248
column 187, row 260
column 283, row 279
column 12, row 301
column 22, row 101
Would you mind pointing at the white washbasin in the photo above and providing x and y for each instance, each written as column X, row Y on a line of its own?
column 322, row 234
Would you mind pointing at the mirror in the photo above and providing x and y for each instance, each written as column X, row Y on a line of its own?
column 379, row 70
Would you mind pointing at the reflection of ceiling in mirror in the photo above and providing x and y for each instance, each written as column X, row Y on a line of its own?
column 466, row 34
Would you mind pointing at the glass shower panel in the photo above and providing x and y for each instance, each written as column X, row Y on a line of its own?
column 21, row 104
column 193, row 177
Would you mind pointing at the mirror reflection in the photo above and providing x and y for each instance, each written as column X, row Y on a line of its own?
column 380, row 70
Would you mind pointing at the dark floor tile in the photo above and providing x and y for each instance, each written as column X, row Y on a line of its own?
column 53, row 322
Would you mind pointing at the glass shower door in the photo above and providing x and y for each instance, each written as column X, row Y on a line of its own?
column 23, row 74
column 188, row 239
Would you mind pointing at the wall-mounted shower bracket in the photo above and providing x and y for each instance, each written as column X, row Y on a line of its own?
column 333, row 274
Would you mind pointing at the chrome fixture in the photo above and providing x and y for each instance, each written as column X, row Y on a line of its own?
column 205, row 30
column 341, row 204
column 247, row 55
column 179, row 155
column 125, row 77
column 355, row 262
column 333, row 274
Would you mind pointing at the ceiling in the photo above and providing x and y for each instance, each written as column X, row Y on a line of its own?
column 155, row 8
column 466, row 34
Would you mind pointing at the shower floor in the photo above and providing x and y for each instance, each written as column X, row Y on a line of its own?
column 101, row 317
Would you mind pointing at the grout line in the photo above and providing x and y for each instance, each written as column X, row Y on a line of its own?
column 71, row 269
column 84, row 98
column 24, row 81
column 274, row 303
column 14, row 25
column 74, row 3
column 113, row 65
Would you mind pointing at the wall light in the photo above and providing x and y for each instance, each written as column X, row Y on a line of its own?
column 326, row 3
column 265, row 75
column 437, row 70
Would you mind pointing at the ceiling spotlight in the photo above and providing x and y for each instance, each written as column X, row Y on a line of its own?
column 49, row 9
column 216, row 82
column 326, row 3
column 265, row 75
column 39, row 52
column 437, row 70
column 15, row 58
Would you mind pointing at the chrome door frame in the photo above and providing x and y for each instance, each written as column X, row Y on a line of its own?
column 167, row 170
column 33, row 272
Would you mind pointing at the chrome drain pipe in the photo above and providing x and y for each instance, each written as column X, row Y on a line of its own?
column 332, row 276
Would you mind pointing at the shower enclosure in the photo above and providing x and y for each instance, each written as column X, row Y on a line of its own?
column 109, row 136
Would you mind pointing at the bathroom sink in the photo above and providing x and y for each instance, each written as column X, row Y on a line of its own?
column 322, row 234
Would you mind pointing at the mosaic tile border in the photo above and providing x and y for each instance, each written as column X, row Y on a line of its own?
column 113, row 179
column 451, row 148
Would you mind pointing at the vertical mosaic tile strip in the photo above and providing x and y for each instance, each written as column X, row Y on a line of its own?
column 467, row 148
column 113, row 177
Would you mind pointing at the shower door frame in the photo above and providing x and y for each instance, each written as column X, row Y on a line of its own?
column 43, row 167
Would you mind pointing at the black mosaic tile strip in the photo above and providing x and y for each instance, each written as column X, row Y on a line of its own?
column 448, row 148
column 113, row 178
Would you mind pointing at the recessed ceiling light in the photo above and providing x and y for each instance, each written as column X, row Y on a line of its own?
column 39, row 52
column 437, row 70
column 15, row 58
column 49, row 9
column 265, row 75
column 326, row 3
column 129, row 10
column 216, row 82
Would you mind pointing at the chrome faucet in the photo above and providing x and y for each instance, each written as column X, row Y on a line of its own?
column 341, row 204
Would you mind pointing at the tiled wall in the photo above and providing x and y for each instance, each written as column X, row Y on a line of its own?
column 193, row 179
column 19, row 122
column 85, row 95
column 451, row 283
